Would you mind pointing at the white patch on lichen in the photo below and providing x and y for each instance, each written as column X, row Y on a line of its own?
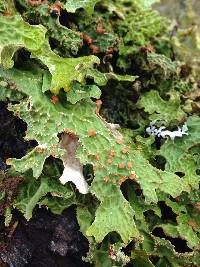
column 52, row 68
column 161, row 132
column 114, row 129
column 42, row 146
column 73, row 169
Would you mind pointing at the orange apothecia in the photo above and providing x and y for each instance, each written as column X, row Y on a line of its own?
column 109, row 161
column 92, row 133
column 125, row 150
column 97, row 157
column 119, row 141
column 133, row 176
column 112, row 153
column 193, row 224
column 98, row 105
column 147, row 49
column 122, row 179
column 88, row 39
column 7, row 14
column 81, row 35
column 99, row 28
column 94, row 49
column 35, row 2
column 197, row 205
column 114, row 181
column 106, row 179
column 54, row 99
column 40, row 149
column 121, row 165
column 129, row 165
column 55, row 8
column 178, row 199
column 94, row 168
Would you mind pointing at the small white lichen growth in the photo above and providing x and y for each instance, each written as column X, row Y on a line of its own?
column 117, row 255
column 42, row 146
column 161, row 132
column 73, row 169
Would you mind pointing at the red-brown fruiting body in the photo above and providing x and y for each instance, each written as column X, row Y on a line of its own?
column 88, row 39
column 98, row 102
column 193, row 224
column 39, row 149
column 98, row 105
column 100, row 29
column 97, row 157
column 106, row 179
column 125, row 150
column 7, row 14
column 112, row 153
column 133, row 176
column 197, row 205
column 35, row 2
column 129, row 165
column 114, row 181
column 178, row 199
column 55, row 8
column 121, row 165
column 122, row 179
column 54, row 99
column 94, row 49
column 109, row 161
column 81, row 35
column 147, row 49
column 119, row 141
column 92, row 133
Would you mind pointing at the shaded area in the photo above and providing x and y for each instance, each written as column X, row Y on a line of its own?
column 12, row 132
column 46, row 240
column 180, row 245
